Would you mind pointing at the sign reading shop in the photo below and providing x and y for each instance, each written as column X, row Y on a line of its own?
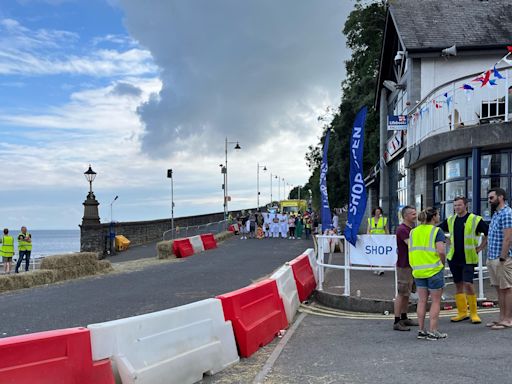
column 397, row 122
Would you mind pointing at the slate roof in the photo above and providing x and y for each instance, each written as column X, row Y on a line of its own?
column 471, row 24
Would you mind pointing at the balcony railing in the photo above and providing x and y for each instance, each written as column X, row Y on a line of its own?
column 453, row 105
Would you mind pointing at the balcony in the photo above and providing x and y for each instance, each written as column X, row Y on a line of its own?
column 454, row 105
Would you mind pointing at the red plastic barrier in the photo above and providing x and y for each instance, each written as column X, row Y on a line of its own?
column 182, row 248
column 53, row 357
column 257, row 314
column 304, row 277
column 209, row 241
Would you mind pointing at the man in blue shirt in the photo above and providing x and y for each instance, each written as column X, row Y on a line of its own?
column 499, row 256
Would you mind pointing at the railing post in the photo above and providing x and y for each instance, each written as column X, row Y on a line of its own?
column 347, row 271
column 480, row 277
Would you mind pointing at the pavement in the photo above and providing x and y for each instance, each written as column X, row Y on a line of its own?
column 323, row 345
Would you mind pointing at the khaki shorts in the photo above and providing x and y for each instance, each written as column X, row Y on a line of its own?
column 500, row 273
column 404, row 280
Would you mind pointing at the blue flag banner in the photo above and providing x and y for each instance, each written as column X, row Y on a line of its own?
column 357, row 195
column 326, row 211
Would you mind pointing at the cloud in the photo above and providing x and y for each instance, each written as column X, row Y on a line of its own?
column 245, row 70
column 126, row 89
column 50, row 52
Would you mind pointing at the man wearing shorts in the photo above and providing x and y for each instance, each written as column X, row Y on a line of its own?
column 464, row 229
column 499, row 256
column 404, row 271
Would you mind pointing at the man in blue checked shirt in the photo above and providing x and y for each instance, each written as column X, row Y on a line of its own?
column 499, row 260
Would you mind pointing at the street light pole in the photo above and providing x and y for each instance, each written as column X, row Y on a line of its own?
column 278, row 188
column 226, row 196
column 112, row 234
column 169, row 176
column 258, row 166
column 271, row 201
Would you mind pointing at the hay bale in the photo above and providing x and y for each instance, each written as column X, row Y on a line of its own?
column 164, row 249
column 73, row 265
column 105, row 266
column 6, row 283
column 221, row 236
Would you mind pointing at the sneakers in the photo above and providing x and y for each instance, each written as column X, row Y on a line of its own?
column 400, row 326
column 422, row 335
column 436, row 335
column 410, row 322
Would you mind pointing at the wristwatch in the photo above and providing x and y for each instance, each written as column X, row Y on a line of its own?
column 502, row 259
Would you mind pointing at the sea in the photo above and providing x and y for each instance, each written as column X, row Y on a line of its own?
column 47, row 242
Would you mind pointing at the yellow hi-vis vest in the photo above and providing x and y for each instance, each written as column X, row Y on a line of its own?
column 423, row 257
column 7, row 248
column 379, row 228
column 22, row 244
column 470, row 238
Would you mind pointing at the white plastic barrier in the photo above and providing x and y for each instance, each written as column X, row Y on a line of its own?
column 312, row 260
column 197, row 243
column 174, row 346
column 287, row 290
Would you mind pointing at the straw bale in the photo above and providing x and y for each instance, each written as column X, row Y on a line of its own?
column 26, row 279
column 105, row 266
column 164, row 249
column 70, row 260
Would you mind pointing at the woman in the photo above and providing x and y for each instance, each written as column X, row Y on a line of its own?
column 291, row 226
column 377, row 224
column 299, row 226
column 427, row 256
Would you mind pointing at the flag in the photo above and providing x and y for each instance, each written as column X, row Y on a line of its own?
column 497, row 75
column 493, row 82
column 486, row 78
column 357, row 199
column 326, row 211
column 468, row 87
column 509, row 48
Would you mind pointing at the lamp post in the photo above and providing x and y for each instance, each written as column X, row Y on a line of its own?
column 115, row 198
column 284, row 189
column 258, row 166
column 91, row 215
column 169, row 176
column 225, row 171
column 278, row 187
column 271, row 201
column 112, row 234
column 90, row 175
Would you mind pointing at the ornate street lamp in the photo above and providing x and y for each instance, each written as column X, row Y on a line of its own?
column 90, row 175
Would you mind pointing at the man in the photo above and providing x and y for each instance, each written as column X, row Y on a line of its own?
column 7, row 250
column 499, row 256
column 464, row 229
column 404, row 270
column 24, row 248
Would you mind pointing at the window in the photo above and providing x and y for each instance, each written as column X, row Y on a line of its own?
column 494, row 164
column 454, row 189
column 456, row 169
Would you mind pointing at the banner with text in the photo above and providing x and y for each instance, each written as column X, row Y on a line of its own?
column 357, row 197
column 374, row 250
column 326, row 211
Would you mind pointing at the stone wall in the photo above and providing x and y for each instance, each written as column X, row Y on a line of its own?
column 94, row 238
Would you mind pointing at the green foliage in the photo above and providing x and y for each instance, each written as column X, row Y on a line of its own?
column 364, row 29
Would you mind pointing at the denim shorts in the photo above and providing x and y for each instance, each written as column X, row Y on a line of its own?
column 432, row 283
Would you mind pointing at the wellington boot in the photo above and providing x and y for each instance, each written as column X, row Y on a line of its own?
column 475, row 319
column 462, row 308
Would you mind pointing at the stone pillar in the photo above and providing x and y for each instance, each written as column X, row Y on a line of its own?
column 91, row 236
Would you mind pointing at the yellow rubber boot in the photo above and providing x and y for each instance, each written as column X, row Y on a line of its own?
column 462, row 308
column 475, row 319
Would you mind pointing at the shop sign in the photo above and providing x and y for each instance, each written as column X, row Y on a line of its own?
column 394, row 144
column 397, row 122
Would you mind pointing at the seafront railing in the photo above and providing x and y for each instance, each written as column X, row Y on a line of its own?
column 193, row 230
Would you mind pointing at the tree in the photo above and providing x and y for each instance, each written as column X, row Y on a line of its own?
column 364, row 29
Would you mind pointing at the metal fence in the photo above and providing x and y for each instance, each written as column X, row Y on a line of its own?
column 179, row 232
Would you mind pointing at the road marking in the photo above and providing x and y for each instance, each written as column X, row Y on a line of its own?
column 319, row 310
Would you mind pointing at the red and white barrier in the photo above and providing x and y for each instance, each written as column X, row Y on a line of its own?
column 287, row 290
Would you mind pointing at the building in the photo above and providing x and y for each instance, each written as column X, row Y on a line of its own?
column 437, row 68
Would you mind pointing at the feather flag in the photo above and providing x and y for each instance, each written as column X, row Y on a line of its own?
column 486, row 78
column 497, row 75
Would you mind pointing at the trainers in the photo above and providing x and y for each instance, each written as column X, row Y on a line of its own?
column 400, row 326
column 410, row 322
column 436, row 335
column 380, row 273
column 422, row 335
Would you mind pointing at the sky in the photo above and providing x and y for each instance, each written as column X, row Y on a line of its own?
column 134, row 88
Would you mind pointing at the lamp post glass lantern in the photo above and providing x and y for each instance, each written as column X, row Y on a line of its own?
column 225, row 172
column 90, row 175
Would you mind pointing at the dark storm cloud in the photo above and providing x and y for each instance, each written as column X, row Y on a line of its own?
column 242, row 69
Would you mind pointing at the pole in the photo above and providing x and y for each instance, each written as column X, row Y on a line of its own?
column 226, row 180
column 299, row 192
column 270, row 188
column 258, row 185
column 172, row 207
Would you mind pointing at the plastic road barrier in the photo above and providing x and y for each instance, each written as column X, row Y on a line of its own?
column 197, row 243
column 54, row 357
column 182, row 248
column 312, row 260
column 287, row 290
column 304, row 277
column 122, row 243
column 257, row 314
column 174, row 346
column 233, row 228
column 209, row 241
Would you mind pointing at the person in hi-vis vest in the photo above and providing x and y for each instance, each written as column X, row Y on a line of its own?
column 7, row 250
column 427, row 255
column 24, row 248
column 464, row 229
column 377, row 224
